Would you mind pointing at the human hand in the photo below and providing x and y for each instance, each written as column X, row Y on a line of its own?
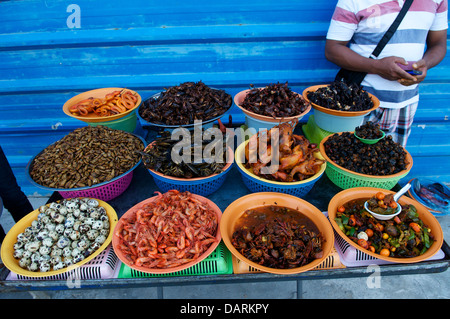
column 418, row 66
column 389, row 69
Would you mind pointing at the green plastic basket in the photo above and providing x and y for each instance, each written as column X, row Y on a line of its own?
column 218, row 263
column 127, row 123
column 347, row 180
column 314, row 133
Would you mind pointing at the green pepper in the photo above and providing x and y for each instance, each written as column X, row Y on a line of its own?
column 426, row 239
column 352, row 231
column 345, row 219
column 424, row 249
column 394, row 242
column 339, row 222
column 412, row 213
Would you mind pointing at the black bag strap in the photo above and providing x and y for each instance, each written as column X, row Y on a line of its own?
column 390, row 32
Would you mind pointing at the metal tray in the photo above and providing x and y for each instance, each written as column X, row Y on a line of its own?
column 142, row 186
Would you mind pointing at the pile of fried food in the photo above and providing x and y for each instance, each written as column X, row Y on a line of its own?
column 277, row 237
column 157, row 157
column 170, row 231
column 115, row 102
column 296, row 155
column 87, row 156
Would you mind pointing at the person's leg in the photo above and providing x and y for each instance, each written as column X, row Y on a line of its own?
column 404, row 123
column 395, row 122
column 2, row 234
column 14, row 200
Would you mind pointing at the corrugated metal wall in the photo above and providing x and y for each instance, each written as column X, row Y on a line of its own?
column 52, row 50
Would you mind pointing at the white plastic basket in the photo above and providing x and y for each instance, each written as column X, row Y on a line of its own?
column 352, row 257
column 103, row 266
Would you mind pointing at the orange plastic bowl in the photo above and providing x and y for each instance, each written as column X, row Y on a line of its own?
column 98, row 93
column 366, row 192
column 375, row 100
column 132, row 210
column 240, row 97
column 239, row 206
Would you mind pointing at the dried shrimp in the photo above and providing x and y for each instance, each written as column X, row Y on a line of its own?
column 170, row 231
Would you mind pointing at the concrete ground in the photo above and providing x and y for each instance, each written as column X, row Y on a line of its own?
column 417, row 286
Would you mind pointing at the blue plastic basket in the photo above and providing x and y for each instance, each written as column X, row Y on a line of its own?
column 257, row 184
column 204, row 186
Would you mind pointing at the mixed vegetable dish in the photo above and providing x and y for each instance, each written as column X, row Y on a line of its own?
column 403, row 236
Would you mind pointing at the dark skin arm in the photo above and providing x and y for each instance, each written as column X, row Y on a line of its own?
column 435, row 53
column 338, row 53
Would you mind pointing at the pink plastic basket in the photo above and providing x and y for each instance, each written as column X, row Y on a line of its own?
column 105, row 192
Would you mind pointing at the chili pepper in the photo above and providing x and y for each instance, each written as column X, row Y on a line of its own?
column 416, row 227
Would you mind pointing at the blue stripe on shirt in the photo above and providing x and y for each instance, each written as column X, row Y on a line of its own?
column 393, row 96
column 400, row 36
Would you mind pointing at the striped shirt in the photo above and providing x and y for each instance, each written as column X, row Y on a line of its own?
column 364, row 22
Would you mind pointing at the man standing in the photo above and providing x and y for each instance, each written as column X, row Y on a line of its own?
column 419, row 44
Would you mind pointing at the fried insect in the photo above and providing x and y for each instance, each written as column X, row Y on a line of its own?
column 275, row 100
column 277, row 237
column 342, row 97
column 158, row 158
column 185, row 103
column 85, row 157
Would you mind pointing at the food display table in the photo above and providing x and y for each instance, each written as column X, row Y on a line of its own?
column 143, row 187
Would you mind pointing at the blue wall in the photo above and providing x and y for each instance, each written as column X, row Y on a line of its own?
column 150, row 45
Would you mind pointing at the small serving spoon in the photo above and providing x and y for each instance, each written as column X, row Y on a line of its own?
column 396, row 198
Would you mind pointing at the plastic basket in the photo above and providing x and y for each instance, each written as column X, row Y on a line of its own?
column 331, row 262
column 218, row 263
column 203, row 187
column 103, row 266
column 314, row 133
column 105, row 192
column 352, row 257
column 347, row 180
column 257, row 184
column 127, row 123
